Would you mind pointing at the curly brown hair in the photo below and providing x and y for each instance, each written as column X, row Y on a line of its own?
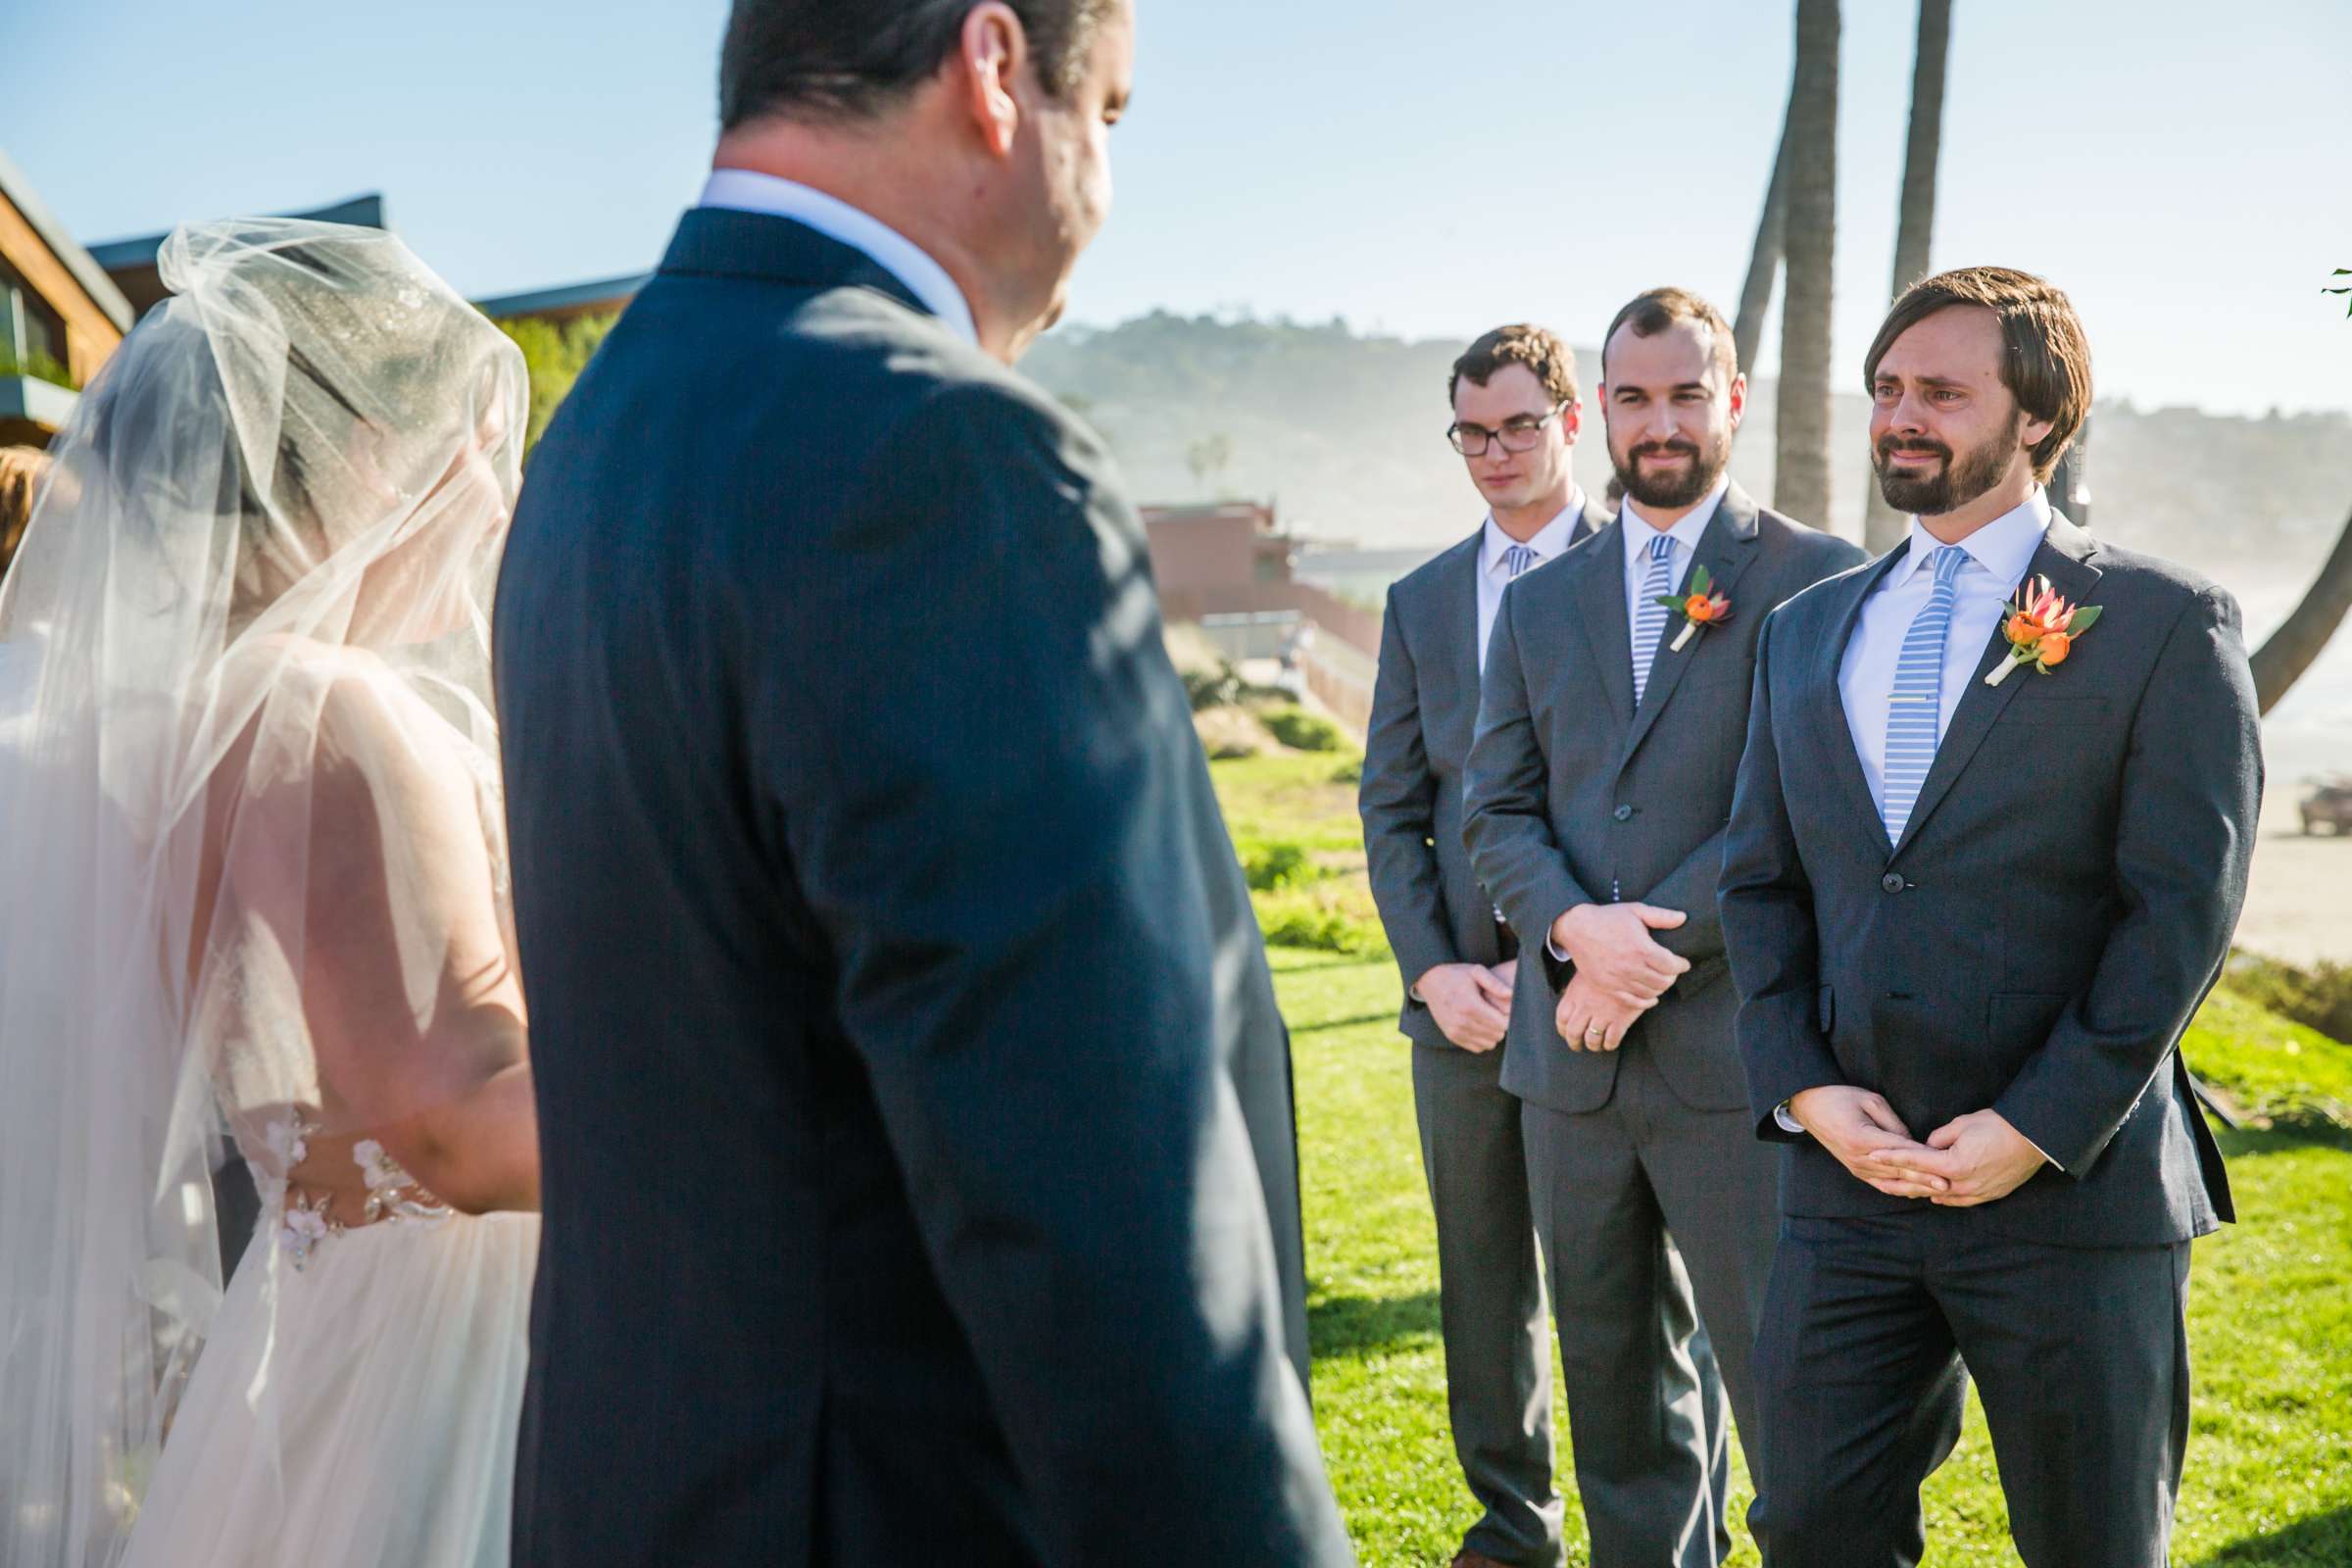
column 1538, row 349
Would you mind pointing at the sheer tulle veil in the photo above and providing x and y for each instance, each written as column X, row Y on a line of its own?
column 263, row 561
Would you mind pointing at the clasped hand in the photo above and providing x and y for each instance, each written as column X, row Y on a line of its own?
column 1621, row 970
column 1972, row 1159
column 1470, row 1002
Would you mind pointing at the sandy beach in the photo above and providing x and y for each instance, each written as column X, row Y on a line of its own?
column 2299, row 902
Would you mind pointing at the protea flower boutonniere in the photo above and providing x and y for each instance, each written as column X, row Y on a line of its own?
column 1701, row 607
column 2041, row 629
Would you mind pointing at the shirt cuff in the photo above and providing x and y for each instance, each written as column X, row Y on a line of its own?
column 1788, row 1123
column 2038, row 1150
column 1552, row 947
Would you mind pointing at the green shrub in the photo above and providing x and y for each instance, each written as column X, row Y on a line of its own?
column 1351, row 772
column 1322, row 930
column 1329, row 915
column 1221, row 687
column 1277, row 866
column 1303, row 731
column 553, row 354
column 2318, row 997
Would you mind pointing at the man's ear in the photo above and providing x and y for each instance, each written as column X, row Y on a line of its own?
column 1738, row 398
column 991, row 55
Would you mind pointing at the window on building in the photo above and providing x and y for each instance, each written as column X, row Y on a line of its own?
column 33, row 336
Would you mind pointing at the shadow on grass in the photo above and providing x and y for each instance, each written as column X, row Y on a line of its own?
column 2285, row 1136
column 1287, row 959
column 1326, row 1025
column 1363, row 1326
column 2324, row 1541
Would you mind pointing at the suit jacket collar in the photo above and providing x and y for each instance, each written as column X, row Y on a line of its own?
column 1725, row 552
column 1455, row 595
column 722, row 242
column 1571, row 523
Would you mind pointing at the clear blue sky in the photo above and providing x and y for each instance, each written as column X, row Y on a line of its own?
column 1427, row 169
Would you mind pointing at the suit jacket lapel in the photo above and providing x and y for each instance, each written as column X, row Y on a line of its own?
column 2064, row 556
column 1457, row 637
column 1826, row 698
column 1600, row 599
column 1726, row 548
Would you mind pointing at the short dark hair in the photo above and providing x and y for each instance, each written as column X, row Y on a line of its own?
column 851, row 59
column 2045, row 358
column 1653, row 311
column 1539, row 350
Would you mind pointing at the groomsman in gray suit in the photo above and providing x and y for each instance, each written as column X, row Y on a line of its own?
column 1598, row 787
column 1516, row 412
column 1972, row 906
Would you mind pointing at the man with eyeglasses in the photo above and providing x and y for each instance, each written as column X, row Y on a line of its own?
column 1515, row 424
column 1598, row 786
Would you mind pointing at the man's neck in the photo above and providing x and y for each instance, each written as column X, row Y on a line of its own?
column 1522, row 524
column 1952, row 527
column 870, row 171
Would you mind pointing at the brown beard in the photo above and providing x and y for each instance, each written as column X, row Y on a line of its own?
column 1961, row 479
column 1670, row 494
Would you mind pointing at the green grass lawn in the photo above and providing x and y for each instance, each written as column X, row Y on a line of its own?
column 2270, row 1462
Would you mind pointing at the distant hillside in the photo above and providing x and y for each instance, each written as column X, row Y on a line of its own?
column 1346, row 434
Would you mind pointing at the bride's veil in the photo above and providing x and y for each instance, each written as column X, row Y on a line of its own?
column 263, row 561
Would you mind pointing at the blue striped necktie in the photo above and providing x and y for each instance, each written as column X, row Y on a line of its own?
column 1650, row 616
column 1915, row 708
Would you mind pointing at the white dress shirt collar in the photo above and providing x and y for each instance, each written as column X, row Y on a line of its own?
column 1552, row 538
column 1639, row 531
column 2004, row 547
column 744, row 191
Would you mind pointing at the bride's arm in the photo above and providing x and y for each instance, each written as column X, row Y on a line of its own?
column 409, row 990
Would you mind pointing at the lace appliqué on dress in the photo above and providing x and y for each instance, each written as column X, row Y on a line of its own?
column 302, row 1220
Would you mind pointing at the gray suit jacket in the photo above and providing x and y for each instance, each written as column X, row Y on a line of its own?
column 1578, row 797
column 1424, row 707
column 2061, row 900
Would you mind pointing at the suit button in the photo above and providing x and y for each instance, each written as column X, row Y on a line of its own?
column 1625, row 813
column 1893, row 882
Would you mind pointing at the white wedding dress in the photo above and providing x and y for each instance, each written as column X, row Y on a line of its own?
column 253, row 886
column 391, row 1358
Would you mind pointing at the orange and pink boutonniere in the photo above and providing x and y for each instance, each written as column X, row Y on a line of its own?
column 1700, row 608
column 2042, row 629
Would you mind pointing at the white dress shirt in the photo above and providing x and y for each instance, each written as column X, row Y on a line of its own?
column 1639, row 531
column 1494, row 574
column 1998, row 555
column 743, row 190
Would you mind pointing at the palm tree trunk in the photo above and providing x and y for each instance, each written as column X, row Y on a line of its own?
column 1882, row 524
column 2289, row 650
column 1764, row 262
column 1801, row 469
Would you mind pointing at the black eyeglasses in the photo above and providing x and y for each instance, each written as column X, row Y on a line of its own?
column 1522, row 433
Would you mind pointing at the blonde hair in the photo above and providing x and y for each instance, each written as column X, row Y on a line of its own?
column 21, row 471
